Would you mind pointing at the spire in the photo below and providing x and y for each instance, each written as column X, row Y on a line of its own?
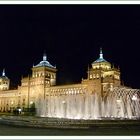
column 3, row 73
column 44, row 56
column 101, row 53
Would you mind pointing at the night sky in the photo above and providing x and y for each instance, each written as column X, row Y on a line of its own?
column 71, row 36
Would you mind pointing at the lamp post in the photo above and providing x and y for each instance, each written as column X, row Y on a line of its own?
column 31, row 103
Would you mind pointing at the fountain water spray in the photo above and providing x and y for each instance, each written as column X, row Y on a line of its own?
column 123, row 103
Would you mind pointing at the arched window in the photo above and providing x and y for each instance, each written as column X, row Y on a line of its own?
column 90, row 76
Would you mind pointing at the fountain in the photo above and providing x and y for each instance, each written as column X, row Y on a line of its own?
column 125, row 103
column 121, row 102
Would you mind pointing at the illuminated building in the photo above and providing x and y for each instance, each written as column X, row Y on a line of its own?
column 100, row 95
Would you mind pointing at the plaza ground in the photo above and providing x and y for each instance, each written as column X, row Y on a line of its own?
column 34, row 126
column 7, row 130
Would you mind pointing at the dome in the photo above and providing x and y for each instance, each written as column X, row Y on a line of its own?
column 3, row 75
column 101, row 62
column 100, row 59
column 44, row 63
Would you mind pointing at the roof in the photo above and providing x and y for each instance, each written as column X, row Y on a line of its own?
column 44, row 63
column 100, row 59
column 3, row 75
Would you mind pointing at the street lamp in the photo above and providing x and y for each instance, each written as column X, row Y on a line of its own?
column 19, row 110
column 31, row 102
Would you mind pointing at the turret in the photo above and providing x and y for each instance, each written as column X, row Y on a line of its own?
column 45, row 71
column 103, row 74
column 4, row 81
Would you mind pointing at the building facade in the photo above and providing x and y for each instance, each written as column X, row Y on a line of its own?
column 90, row 99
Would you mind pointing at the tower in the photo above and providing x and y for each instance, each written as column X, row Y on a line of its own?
column 103, row 75
column 45, row 72
column 4, row 81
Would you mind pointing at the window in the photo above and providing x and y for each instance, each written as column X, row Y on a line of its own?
column 104, row 87
column 90, row 76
